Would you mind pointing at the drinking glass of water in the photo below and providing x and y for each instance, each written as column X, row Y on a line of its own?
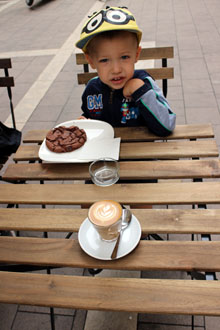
column 104, row 171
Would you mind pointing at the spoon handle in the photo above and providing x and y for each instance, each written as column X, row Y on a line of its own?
column 115, row 251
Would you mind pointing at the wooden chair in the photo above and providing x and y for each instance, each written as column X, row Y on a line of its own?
column 8, row 82
column 162, row 72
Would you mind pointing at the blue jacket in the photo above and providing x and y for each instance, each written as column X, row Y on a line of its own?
column 148, row 106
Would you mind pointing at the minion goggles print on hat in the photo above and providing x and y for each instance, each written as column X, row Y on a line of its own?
column 109, row 19
column 112, row 16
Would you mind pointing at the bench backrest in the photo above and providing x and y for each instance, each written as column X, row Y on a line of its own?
column 162, row 72
column 8, row 82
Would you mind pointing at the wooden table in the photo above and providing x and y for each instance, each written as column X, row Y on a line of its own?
column 179, row 163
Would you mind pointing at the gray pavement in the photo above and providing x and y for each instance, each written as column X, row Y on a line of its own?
column 40, row 42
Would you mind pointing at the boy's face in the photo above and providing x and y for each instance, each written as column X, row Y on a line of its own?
column 114, row 59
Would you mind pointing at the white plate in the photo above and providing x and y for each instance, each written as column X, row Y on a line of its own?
column 96, row 131
column 91, row 243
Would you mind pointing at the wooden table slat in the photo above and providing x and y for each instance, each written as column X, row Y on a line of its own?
column 139, row 133
column 116, row 294
column 78, row 194
column 148, row 255
column 209, row 168
column 169, row 150
column 143, row 150
column 161, row 221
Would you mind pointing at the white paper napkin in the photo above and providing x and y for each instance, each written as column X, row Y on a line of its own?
column 95, row 149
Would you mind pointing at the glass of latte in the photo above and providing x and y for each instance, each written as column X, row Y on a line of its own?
column 106, row 217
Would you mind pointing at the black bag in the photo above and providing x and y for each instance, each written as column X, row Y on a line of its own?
column 10, row 139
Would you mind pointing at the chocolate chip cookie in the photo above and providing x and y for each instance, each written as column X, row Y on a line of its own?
column 65, row 139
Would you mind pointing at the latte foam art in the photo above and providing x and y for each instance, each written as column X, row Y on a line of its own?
column 105, row 212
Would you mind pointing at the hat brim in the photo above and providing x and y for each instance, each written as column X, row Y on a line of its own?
column 82, row 43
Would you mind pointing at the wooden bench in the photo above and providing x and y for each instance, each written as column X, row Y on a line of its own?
column 159, row 73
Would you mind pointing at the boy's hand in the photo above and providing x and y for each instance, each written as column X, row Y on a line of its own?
column 131, row 86
column 81, row 117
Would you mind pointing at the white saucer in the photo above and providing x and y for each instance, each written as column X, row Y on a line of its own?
column 91, row 243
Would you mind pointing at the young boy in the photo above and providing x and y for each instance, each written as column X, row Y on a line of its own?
column 121, row 95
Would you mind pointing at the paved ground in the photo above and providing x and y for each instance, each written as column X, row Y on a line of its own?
column 40, row 40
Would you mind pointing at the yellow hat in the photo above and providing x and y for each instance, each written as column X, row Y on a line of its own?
column 109, row 19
